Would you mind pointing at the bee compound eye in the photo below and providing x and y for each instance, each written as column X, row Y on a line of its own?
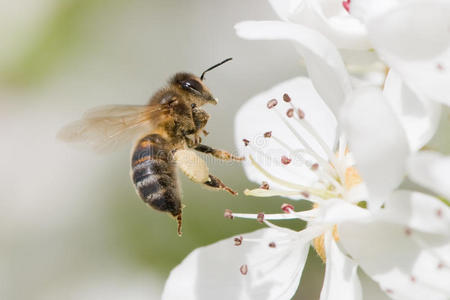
column 192, row 86
column 186, row 85
column 193, row 105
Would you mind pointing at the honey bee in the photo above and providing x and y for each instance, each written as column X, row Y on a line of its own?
column 167, row 129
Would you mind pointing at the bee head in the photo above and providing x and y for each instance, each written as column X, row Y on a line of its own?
column 194, row 87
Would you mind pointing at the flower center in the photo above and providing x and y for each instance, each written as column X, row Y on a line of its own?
column 352, row 178
column 335, row 173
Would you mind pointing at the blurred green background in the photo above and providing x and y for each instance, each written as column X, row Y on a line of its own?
column 72, row 226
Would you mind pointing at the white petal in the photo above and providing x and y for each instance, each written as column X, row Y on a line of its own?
column 283, row 7
column 336, row 211
column 431, row 170
column 323, row 61
column 377, row 141
column 366, row 9
column 418, row 115
column 213, row 272
column 371, row 289
column 254, row 119
column 341, row 278
column 418, row 211
column 329, row 18
column 405, row 263
column 413, row 38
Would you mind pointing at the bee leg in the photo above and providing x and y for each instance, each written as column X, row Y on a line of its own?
column 196, row 170
column 216, row 183
column 221, row 154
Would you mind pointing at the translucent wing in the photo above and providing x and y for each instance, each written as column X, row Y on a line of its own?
column 104, row 128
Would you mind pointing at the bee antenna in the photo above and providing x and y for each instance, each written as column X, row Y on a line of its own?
column 215, row 66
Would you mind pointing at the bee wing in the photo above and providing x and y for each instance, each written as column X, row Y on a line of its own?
column 104, row 128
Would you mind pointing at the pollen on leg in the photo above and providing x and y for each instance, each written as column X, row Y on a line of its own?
column 238, row 241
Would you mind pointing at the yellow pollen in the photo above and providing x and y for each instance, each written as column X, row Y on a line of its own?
column 352, row 178
column 319, row 246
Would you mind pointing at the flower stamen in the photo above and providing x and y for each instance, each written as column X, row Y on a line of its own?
column 321, row 193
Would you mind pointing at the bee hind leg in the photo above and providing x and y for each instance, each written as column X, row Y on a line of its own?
column 220, row 154
column 217, row 184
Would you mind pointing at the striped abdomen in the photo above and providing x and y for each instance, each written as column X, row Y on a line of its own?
column 154, row 175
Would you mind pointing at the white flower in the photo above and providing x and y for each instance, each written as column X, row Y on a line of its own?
column 350, row 151
column 413, row 38
column 298, row 157
column 418, row 115
column 431, row 170
column 330, row 18
column 410, row 36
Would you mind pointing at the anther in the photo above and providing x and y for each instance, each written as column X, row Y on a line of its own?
column 439, row 213
column 408, row 231
column 243, row 269
column 440, row 265
column 346, row 5
column 246, row 142
column 287, row 208
column 314, row 167
column 389, row 291
column 268, row 134
column 264, row 185
column 305, row 194
column 260, row 217
column 290, row 113
column 272, row 245
column 286, row 98
column 238, row 241
column 440, row 67
column 300, row 114
column 285, row 160
column 228, row 214
column 272, row 103
column 412, row 278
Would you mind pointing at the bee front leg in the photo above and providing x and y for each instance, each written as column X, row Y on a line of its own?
column 220, row 154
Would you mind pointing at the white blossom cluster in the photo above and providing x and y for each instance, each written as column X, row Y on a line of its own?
column 344, row 138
